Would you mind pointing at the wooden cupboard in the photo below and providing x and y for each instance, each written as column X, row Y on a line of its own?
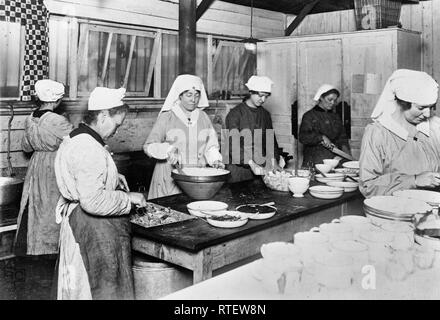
column 358, row 63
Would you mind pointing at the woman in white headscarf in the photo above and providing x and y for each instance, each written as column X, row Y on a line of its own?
column 44, row 130
column 321, row 128
column 95, row 242
column 250, row 119
column 183, row 133
column 401, row 149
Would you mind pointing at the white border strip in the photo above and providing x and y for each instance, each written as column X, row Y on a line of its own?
column 8, row 228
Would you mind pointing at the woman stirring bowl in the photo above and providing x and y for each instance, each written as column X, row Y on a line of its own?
column 401, row 149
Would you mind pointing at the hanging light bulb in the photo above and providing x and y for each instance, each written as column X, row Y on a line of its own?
column 250, row 43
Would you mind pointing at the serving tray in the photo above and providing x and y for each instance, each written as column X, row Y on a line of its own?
column 155, row 215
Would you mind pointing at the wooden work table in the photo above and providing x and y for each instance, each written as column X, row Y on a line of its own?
column 202, row 248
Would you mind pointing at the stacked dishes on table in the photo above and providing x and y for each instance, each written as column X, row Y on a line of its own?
column 390, row 209
column 326, row 192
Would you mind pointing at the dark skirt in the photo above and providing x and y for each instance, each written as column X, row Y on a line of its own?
column 239, row 173
column 105, row 246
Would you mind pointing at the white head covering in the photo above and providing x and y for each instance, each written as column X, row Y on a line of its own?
column 48, row 90
column 105, row 98
column 183, row 83
column 408, row 85
column 323, row 89
column 260, row 84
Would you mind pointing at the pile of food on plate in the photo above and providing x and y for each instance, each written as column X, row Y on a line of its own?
column 153, row 215
column 278, row 180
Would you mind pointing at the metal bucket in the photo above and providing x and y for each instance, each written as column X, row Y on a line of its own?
column 10, row 190
column 153, row 279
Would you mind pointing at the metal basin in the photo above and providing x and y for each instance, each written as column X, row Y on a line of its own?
column 10, row 190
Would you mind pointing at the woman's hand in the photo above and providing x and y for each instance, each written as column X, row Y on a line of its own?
column 428, row 179
column 218, row 164
column 137, row 199
column 326, row 142
column 122, row 183
column 173, row 156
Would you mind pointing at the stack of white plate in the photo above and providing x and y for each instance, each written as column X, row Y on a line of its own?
column 349, row 186
column 326, row 192
column 385, row 209
column 329, row 177
column 430, row 197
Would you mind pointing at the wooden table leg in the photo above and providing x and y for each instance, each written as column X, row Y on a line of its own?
column 202, row 266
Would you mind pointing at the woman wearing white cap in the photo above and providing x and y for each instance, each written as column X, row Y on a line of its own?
column 38, row 232
column 321, row 128
column 182, row 133
column 401, row 149
column 250, row 116
column 95, row 243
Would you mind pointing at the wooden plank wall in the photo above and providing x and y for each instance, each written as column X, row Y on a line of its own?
column 423, row 17
column 130, row 137
column 220, row 19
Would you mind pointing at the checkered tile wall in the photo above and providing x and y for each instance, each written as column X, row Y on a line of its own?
column 34, row 16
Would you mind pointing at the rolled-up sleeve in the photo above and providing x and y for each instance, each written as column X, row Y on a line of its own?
column 91, row 174
column 373, row 180
column 155, row 145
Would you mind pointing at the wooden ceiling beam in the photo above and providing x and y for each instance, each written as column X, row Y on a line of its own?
column 299, row 18
column 202, row 7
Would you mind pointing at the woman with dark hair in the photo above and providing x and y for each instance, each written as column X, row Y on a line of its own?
column 250, row 118
column 401, row 149
column 95, row 242
column 321, row 128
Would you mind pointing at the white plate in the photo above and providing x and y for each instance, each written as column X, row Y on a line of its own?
column 348, row 186
column 351, row 164
column 326, row 192
column 259, row 216
column 228, row 224
column 430, row 197
column 348, row 171
column 329, row 177
column 397, row 206
column 205, row 208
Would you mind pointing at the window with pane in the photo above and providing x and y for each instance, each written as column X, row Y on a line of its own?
column 11, row 58
column 115, row 58
column 232, row 67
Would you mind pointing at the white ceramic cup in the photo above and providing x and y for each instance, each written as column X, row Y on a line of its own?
column 378, row 242
column 403, row 235
column 298, row 185
column 334, row 270
column 358, row 251
column 358, row 223
column 310, row 244
column 336, row 231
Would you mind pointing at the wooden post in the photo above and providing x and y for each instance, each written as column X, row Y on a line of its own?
column 187, row 36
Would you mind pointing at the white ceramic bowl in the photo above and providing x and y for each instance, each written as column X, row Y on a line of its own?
column 351, row 164
column 430, row 197
column 227, row 224
column 259, row 216
column 326, row 192
column 331, row 162
column 329, row 177
column 298, row 185
column 279, row 250
column 348, row 171
column 198, row 208
column 347, row 185
column 323, row 167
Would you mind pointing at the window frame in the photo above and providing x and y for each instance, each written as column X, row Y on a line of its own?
column 21, row 64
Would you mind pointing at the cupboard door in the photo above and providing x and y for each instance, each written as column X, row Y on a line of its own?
column 320, row 62
column 278, row 62
column 373, row 59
